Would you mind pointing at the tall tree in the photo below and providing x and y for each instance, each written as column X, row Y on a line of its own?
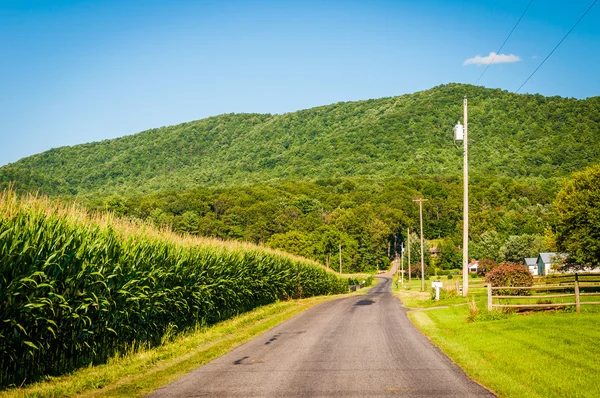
column 577, row 207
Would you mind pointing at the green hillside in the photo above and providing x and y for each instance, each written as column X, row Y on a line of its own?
column 512, row 135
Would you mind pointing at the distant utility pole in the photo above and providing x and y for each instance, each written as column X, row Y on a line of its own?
column 408, row 257
column 340, row 258
column 402, row 262
column 420, row 201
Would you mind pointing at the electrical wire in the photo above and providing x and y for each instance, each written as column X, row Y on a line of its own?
column 548, row 56
column 505, row 40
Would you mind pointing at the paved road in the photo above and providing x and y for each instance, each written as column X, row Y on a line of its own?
column 360, row 346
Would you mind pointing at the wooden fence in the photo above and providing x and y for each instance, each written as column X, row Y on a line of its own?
column 588, row 286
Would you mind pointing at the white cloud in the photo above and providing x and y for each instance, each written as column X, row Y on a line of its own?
column 493, row 58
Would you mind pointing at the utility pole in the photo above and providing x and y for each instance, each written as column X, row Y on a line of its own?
column 408, row 234
column 402, row 262
column 340, row 258
column 461, row 133
column 466, row 208
column 420, row 201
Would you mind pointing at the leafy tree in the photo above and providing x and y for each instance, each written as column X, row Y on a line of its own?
column 294, row 242
column 518, row 247
column 487, row 245
column 577, row 208
column 486, row 265
column 450, row 255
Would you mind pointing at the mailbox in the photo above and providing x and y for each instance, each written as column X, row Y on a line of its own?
column 437, row 285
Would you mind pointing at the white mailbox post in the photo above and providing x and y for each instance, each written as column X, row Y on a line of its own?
column 436, row 285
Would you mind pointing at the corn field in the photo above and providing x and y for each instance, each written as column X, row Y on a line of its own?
column 77, row 289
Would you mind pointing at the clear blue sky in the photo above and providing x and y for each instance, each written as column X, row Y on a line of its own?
column 80, row 71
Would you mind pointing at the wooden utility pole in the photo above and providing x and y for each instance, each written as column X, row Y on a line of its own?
column 408, row 258
column 420, row 201
column 466, row 207
column 402, row 262
column 340, row 258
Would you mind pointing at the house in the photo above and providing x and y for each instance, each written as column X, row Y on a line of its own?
column 434, row 251
column 531, row 264
column 545, row 261
column 473, row 265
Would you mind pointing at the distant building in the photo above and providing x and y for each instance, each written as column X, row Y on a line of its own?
column 545, row 261
column 434, row 251
column 531, row 264
column 473, row 265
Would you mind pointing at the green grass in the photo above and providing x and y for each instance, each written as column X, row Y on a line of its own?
column 412, row 296
column 550, row 354
column 138, row 374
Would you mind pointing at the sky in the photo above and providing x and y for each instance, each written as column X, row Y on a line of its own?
column 79, row 71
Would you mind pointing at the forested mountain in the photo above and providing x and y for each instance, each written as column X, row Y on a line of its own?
column 511, row 135
column 346, row 173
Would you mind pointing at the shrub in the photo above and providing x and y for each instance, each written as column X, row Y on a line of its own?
column 450, row 276
column 510, row 274
column 486, row 265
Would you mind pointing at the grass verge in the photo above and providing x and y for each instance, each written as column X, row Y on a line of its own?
column 138, row 374
column 550, row 354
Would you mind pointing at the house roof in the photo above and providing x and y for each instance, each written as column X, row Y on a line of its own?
column 550, row 257
column 530, row 261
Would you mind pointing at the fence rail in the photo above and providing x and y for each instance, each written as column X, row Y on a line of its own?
column 572, row 284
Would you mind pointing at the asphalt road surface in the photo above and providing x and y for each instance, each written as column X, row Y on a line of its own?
column 360, row 346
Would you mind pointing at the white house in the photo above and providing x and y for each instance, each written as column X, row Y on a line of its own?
column 531, row 264
column 473, row 265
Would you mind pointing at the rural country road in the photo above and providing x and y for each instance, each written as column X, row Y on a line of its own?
column 360, row 346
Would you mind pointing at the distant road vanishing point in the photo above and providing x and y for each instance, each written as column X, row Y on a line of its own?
column 360, row 346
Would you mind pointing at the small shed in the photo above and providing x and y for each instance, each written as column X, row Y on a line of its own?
column 531, row 264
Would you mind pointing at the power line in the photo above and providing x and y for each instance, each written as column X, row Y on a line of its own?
column 505, row 40
column 554, row 49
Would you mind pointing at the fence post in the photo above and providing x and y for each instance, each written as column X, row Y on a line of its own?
column 577, row 300
column 489, row 289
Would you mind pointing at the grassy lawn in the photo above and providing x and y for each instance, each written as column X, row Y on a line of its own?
column 545, row 354
column 140, row 373
column 412, row 296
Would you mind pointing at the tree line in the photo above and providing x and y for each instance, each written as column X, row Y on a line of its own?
column 369, row 218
